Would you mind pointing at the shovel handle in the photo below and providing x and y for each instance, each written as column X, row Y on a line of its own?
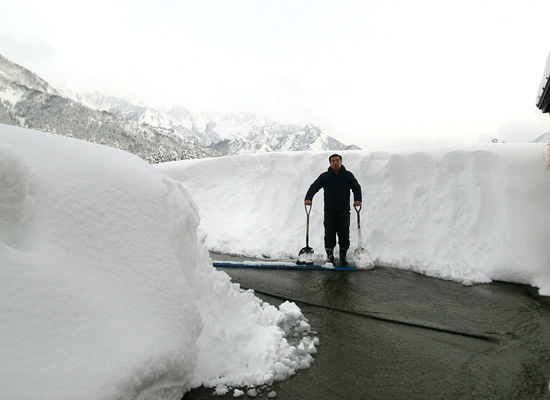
column 358, row 209
column 308, row 210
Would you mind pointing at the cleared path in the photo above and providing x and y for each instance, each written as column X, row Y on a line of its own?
column 393, row 334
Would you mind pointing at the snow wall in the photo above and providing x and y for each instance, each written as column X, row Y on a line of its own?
column 107, row 291
column 471, row 214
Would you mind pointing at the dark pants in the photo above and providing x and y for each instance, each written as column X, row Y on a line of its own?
column 337, row 223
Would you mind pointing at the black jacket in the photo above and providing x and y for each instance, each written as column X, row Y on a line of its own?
column 336, row 189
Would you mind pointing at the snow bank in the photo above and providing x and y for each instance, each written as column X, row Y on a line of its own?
column 470, row 214
column 106, row 288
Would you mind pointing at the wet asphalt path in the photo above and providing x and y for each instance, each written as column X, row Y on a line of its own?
column 393, row 334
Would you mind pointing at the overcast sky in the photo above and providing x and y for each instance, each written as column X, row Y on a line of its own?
column 375, row 73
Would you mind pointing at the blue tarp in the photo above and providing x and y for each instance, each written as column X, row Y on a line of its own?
column 281, row 266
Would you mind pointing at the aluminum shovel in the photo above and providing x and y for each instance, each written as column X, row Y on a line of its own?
column 305, row 257
column 361, row 255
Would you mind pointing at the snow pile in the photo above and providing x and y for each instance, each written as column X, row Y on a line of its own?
column 106, row 288
column 470, row 214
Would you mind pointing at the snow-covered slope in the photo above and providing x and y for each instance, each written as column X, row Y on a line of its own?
column 10, row 71
column 229, row 133
column 106, row 290
column 471, row 214
column 28, row 101
column 544, row 138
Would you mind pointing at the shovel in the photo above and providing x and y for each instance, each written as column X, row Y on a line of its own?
column 305, row 257
column 361, row 255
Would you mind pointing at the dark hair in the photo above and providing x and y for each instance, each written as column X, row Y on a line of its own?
column 335, row 155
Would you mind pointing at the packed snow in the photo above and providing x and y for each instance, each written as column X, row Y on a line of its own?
column 107, row 290
column 471, row 214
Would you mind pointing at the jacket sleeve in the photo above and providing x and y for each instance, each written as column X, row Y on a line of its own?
column 314, row 188
column 355, row 188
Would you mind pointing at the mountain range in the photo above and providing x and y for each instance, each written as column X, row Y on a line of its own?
column 154, row 134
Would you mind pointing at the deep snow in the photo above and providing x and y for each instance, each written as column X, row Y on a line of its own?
column 470, row 214
column 106, row 288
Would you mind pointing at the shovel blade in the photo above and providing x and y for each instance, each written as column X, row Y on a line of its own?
column 363, row 259
column 305, row 257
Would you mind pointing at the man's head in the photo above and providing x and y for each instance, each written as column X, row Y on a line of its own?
column 335, row 162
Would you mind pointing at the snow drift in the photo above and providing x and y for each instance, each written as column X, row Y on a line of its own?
column 470, row 214
column 106, row 288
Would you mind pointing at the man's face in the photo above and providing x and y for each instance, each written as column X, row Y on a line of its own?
column 335, row 163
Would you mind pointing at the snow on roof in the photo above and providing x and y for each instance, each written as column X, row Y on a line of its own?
column 544, row 87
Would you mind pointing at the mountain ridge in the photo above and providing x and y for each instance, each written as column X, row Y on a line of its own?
column 231, row 133
column 154, row 134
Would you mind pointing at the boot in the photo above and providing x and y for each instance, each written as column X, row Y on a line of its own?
column 343, row 260
column 330, row 255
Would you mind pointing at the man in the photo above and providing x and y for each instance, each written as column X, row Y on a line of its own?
column 336, row 182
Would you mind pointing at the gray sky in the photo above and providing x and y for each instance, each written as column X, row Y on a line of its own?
column 375, row 73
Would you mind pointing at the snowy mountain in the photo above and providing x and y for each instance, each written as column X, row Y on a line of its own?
column 155, row 134
column 544, row 138
column 228, row 134
column 28, row 101
column 12, row 72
